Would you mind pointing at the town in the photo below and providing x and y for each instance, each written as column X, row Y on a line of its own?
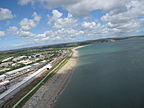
column 18, row 71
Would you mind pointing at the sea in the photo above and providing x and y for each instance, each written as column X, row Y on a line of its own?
column 108, row 75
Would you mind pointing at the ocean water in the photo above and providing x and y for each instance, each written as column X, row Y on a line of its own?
column 108, row 75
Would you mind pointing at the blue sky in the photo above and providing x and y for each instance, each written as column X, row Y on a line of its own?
column 26, row 23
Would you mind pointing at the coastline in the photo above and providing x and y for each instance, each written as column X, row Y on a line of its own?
column 47, row 95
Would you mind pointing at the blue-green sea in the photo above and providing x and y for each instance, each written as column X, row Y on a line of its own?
column 108, row 75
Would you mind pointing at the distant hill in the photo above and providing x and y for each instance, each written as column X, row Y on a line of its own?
column 64, row 45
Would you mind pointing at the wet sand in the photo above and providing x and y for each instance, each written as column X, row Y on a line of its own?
column 47, row 95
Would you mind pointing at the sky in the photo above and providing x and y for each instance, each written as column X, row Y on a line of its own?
column 28, row 23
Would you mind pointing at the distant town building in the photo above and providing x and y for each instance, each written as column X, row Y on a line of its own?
column 5, row 64
column 19, row 58
column 7, row 59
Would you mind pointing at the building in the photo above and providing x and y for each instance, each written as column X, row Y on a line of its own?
column 15, row 73
column 19, row 58
column 5, row 64
column 2, row 78
column 7, row 59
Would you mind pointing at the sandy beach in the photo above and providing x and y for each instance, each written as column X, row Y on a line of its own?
column 47, row 95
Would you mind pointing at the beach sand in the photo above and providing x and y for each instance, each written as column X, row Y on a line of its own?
column 47, row 95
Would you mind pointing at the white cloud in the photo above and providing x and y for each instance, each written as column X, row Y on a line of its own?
column 83, row 7
column 12, row 30
column 5, row 14
column 126, row 21
column 121, row 17
column 36, row 17
column 23, row 2
column 26, row 34
column 67, row 22
column 64, row 22
column 45, row 39
column 27, row 24
column 58, row 35
column 2, row 33
column 56, row 14
column 93, row 29
column 78, row 7
column 56, row 21
column 133, row 10
column 88, row 24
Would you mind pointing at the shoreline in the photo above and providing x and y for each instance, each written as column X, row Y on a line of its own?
column 47, row 95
